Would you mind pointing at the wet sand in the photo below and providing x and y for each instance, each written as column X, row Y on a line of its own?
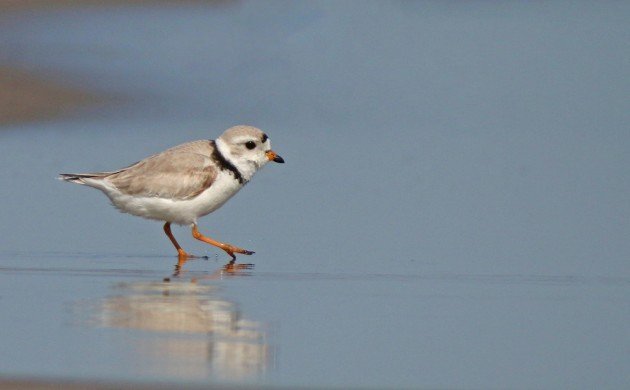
column 25, row 97
column 20, row 5
column 22, row 384
column 489, row 249
column 28, row 97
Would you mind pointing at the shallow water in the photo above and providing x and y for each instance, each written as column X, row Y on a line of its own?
column 453, row 211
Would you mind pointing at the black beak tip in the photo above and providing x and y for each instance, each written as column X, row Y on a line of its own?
column 278, row 159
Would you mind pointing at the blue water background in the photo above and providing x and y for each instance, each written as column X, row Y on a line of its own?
column 454, row 210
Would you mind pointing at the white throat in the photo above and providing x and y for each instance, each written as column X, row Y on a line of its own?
column 245, row 167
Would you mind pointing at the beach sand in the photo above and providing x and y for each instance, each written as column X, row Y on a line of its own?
column 25, row 97
column 28, row 97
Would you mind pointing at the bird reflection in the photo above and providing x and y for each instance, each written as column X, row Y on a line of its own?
column 231, row 268
column 190, row 332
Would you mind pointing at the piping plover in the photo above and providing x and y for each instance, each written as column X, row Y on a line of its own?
column 186, row 182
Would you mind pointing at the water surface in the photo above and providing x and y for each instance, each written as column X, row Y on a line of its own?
column 453, row 211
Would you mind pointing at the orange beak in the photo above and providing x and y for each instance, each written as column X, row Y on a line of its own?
column 272, row 156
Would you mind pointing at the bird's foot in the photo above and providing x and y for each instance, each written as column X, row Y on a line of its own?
column 231, row 250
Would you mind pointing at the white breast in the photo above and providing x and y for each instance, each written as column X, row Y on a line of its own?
column 183, row 212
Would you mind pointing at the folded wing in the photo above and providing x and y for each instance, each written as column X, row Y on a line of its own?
column 179, row 173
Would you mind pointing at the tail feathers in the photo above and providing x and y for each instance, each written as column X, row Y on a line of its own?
column 79, row 178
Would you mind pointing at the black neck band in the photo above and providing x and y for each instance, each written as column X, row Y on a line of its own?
column 224, row 163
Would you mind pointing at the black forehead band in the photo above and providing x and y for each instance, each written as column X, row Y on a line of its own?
column 264, row 138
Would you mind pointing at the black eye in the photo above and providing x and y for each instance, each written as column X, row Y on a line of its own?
column 250, row 145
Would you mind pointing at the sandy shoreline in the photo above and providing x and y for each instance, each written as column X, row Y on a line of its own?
column 25, row 97
column 28, row 97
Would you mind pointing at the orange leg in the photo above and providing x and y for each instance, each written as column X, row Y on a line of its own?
column 180, row 252
column 230, row 249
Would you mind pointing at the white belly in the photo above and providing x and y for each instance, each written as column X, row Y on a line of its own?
column 183, row 212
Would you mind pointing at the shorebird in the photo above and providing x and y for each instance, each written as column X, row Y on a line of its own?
column 186, row 182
